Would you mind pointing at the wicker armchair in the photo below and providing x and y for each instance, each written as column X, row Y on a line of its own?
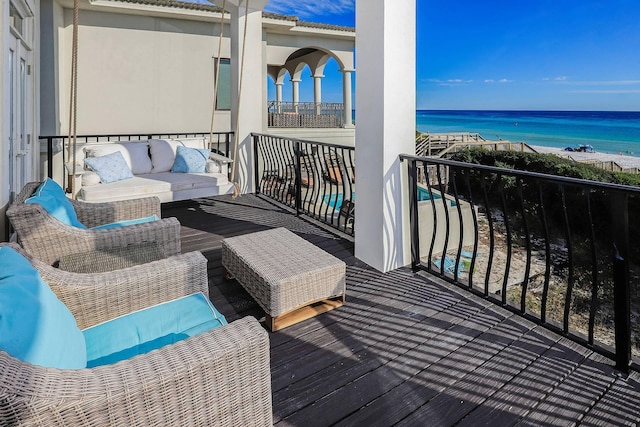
column 221, row 377
column 49, row 240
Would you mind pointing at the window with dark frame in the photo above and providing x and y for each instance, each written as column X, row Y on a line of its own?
column 223, row 87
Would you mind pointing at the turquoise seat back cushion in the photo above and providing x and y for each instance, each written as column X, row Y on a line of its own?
column 190, row 160
column 126, row 222
column 35, row 326
column 53, row 199
column 145, row 330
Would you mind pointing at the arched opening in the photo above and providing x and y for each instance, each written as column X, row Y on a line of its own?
column 308, row 90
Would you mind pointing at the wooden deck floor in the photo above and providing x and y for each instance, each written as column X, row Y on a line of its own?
column 407, row 349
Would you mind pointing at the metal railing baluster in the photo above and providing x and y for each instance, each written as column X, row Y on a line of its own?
column 547, row 243
column 492, row 239
column 622, row 290
column 594, row 269
column 571, row 278
column 505, row 216
column 527, row 270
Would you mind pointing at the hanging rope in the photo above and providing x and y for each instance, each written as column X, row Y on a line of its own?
column 73, row 97
column 217, row 74
column 236, row 186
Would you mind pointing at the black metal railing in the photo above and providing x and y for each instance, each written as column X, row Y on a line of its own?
column 316, row 179
column 553, row 249
column 221, row 143
column 305, row 114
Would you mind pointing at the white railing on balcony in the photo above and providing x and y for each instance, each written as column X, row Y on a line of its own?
column 306, row 114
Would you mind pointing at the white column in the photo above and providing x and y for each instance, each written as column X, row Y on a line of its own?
column 317, row 92
column 295, row 93
column 346, row 97
column 279, row 96
column 385, row 105
column 245, row 109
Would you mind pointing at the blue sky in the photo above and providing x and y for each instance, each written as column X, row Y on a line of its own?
column 542, row 54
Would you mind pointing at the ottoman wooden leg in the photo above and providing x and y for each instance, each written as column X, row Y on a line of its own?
column 227, row 274
column 304, row 312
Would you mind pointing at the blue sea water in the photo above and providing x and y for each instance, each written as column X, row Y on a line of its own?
column 607, row 131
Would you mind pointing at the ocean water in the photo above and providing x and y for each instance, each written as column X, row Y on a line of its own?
column 607, row 131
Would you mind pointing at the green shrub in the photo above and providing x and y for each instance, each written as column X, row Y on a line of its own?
column 543, row 163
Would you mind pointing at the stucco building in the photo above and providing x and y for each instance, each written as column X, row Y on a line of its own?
column 149, row 66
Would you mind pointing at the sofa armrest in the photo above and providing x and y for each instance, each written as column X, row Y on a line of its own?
column 94, row 214
column 220, row 377
column 220, row 158
column 221, row 161
column 97, row 297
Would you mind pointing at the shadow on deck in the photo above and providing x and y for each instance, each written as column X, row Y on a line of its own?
column 407, row 349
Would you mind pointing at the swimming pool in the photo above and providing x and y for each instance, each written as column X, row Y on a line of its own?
column 424, row 194
column 334, row 200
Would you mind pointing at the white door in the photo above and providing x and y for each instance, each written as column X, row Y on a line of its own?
column 20, row 117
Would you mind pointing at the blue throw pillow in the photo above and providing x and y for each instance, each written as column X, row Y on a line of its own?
column 148, row 329
column 126, row 222
column 110, row 168
column 190, row 160
column 53, row 199
column 35, row 326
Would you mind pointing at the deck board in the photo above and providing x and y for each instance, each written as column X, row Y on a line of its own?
column 406, row 348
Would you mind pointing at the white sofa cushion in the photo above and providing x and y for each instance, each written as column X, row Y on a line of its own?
column 153, row 184
column 163, row 151
column 135, row 153
column 90, row 178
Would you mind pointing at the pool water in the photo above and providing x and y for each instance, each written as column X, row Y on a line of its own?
column 424, row 194
column 334, row 200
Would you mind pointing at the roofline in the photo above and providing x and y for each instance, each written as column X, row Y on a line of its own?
column 308, row 24
column 215, row 9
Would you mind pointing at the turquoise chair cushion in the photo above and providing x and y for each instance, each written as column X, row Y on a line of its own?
column 126, row 222
column 151, row 328
column 35, row 326
column 53, row 199
column 190, row 160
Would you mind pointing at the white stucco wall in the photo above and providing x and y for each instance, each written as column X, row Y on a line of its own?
column 280, row 46
column 337, row 136
column 139, row 74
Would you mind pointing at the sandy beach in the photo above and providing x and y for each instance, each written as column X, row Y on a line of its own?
column 620, row 159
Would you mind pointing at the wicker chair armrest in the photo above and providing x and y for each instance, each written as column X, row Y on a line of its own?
column 95, row 214
column 95, row 298
column 220, row 377
column 48, row 239
column 26, row 192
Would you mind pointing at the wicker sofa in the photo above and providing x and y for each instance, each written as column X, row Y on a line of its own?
column 220, row 377
column 49, row 240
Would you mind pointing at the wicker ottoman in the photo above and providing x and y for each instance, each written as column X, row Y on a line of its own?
column 291, row 279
